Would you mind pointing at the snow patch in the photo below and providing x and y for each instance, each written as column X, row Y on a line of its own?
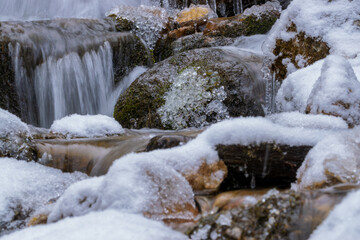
column 77, row 125
column 343, row 222
column 27, row 186
column 109, row 224
column 11, row 124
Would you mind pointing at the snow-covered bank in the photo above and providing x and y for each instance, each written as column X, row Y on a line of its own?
column 27, row 186
column 109, row 225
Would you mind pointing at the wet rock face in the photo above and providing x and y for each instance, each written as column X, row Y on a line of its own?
column 8, row 95
column 166, row 141
column 191, row 89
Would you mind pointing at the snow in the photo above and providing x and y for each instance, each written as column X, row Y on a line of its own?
column 109, row 224
column 328, row 73
column 27, row 186
column 86, row 126
column 258, row 10
column 11, row 124
column 335, row 157
column 296, row 88
column 337, row 91
column 132, row 185
column 333, row 21
column 343, row 222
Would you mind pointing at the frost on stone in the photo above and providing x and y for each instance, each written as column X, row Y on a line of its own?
column 14, row 136
column 333, row 160
column 133, row 185
column 147, row 21
column 109, row 225
column 194, row 99
column 343, row 221
column 259, row 10
column 337, row 91
column 27, row 186
column 77, row 125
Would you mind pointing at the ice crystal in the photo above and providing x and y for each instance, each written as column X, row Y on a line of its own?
column 195, row 99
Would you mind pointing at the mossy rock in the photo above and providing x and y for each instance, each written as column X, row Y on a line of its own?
column 309, row 48
column 193, row 89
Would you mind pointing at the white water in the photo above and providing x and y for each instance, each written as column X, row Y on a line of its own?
column 238, row 7
column 50, row 9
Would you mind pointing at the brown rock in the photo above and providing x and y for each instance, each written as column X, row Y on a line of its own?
column 195, row 15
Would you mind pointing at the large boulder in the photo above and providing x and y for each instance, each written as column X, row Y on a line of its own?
column 194, row 89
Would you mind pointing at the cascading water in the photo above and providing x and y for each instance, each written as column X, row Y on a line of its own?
column 50, row 9
column 64, row 66
column 238, row 6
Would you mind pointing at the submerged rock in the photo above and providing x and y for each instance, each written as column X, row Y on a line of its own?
column 193, row 89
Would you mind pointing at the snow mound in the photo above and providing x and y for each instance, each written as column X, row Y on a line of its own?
column 335, row 22
column 343, row 222
column 333, row 160
column 337, row 91
column 27, row 186
column 132, row 185
column 110, row 225
column 295, row 90
column 86, row 126
column 11, row 124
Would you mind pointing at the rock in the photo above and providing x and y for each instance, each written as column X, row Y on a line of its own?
column 274, row 215
column 255, row 20
column 146, row 22
column 195, row 15
column 8, row 95
column 301, row 51
column 264, row 165
column 15, row 139
column 336, row 92
column 169, row 46
column 332, row 161
column 166, row 141
column 217, row 31
column 192, row 89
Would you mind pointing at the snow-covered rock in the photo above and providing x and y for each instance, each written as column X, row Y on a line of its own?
column 132, row 185
column 337, row 91
column 14, row 137
column 333, row 160
column 109, row 224
column 27, row 186
column 343, row 222
column 309, row 30
column 86, row 126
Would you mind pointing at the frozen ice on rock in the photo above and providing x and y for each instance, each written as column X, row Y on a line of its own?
column 27, row 186
column 332, row 21
column 11, row 124
column 86, row 126
column 333, row 160
column 343, row 221
column 337, row 91
column 134, row 185
column 148, row 21
column 258, row 10
column 109, row 225
column 185, row 101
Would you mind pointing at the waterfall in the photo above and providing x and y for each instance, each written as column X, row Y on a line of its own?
column 64, row 66
column 238, row 7
column 50, row 9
